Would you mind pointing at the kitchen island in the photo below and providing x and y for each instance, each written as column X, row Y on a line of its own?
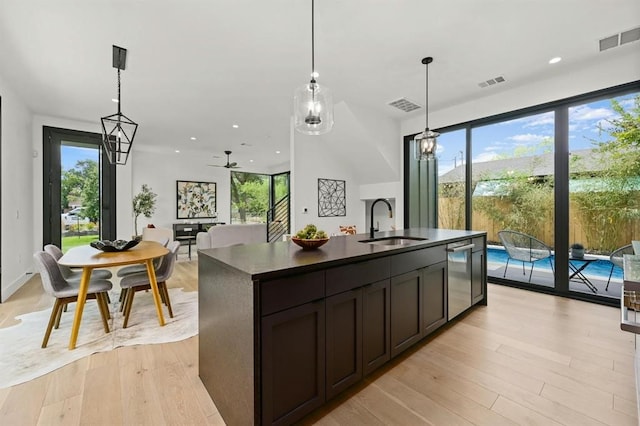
column 283, row 330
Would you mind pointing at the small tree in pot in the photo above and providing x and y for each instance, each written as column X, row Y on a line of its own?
column 144, row 203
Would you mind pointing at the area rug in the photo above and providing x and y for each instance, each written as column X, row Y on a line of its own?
column 22, row 359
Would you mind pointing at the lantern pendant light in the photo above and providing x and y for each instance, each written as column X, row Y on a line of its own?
column 313, row 103
column 425, row 142
column 118, row 130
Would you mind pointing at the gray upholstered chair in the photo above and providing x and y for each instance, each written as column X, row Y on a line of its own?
column 54, row 284
column 132, row 283
column 616, row 259
column 159, row 235
column 524, row 248
column 71, row 275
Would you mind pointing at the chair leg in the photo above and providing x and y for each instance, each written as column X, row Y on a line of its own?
column 57, row 306
column 127, row 308
column 609, row 280
column 165, row 292
column 123, row 299
column 531, row 271
column 523, row 272
column 63, row 307
column 505, row 268
column 102, row 306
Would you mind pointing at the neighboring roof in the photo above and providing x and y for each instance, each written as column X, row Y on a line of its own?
column 538, row 165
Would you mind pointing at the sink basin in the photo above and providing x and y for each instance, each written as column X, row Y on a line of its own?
column 393, row 241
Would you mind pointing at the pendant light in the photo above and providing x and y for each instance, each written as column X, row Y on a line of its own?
column 312, row 103
column 425, row 142
column 118, row 130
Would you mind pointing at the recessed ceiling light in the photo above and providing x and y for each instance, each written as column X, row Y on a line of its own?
column 555, row 60
column 277, row 152
column 193, row 138
column 114, row 100
column 251, row 161
column 177, row 151
column 235, row 126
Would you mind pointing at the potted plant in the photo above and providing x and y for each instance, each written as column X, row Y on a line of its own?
column 577, row 250
column 144, row 203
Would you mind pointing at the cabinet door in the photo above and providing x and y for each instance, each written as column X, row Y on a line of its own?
column 435, row 297
column 344, row 340
column 406, row 311
column 376, row 341
column 478, row 276
column 293, row 363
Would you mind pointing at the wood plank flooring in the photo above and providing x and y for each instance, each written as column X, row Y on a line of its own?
column 527, row 358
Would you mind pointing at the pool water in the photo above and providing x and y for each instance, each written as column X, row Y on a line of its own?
column 599, row 268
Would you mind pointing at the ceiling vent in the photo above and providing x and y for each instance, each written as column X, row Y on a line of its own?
column 492, row 82
column 405, row 105
column 619, row 39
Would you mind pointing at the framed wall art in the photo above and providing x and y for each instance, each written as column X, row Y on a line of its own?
column 196, row 200
column 332, row 200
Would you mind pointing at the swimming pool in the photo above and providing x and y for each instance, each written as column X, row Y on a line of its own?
column 599, row 268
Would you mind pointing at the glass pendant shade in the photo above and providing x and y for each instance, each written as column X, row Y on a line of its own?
column 426, row 144
column 118, row 132
column 313, row 109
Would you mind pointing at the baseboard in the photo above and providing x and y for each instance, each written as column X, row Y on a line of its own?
column 8, row 291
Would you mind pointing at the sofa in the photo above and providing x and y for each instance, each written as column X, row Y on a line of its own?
column 228, row 235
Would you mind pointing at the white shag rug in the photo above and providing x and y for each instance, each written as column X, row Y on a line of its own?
column 22, row 358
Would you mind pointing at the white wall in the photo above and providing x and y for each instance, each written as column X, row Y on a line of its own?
column 161, row 171
column 361, row 150
column 17, row 186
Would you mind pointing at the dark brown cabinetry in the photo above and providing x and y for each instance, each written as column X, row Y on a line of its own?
column 406, row 311
column 434, row 303
column 344, row 340
column 293, row 364
column 297, row 328
column 376, row 325
column 478, row 268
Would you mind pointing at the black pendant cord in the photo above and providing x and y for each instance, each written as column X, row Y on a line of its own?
column 119, row 107
column 426, row 98
column 313, row 65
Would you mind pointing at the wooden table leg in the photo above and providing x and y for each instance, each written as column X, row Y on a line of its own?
column 82, row 298
column 154, row 290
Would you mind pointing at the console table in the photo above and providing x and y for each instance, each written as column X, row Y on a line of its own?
column 186, row 232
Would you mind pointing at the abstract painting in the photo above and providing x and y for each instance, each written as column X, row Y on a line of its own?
column 196, row 199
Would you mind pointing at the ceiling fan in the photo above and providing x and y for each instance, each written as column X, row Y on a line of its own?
column 229, row 165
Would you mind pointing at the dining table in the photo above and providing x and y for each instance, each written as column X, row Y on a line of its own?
column 89, row 258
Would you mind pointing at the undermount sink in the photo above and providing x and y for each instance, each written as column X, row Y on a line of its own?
column 393, row 241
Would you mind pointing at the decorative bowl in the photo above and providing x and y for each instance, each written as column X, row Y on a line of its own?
column 117, row 245
column 308, row 244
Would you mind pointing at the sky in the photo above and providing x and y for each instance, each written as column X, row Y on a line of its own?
column 501, row 139
column 70, row 155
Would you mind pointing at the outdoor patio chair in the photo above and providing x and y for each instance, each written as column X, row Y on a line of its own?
column 524, row 248
column 616, row 260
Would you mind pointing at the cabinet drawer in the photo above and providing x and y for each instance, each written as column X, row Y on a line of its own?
column 284, row 293
column 478, row 244
column 348, row 277
column 417, row 259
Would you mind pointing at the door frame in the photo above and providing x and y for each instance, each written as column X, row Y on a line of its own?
column 52, row 138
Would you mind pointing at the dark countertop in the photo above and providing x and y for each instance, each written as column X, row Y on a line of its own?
column 270, row 260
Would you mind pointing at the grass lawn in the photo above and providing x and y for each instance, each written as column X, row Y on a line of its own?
column 77, row 240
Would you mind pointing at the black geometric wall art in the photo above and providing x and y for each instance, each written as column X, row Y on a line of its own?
column 332, row 199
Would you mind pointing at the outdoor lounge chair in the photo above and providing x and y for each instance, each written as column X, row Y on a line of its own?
column 524, row 248
column 616, row 260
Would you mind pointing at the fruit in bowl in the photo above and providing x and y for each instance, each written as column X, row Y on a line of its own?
column 310, row 237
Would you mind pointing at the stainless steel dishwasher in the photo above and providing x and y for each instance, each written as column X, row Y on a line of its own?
column 459, row 277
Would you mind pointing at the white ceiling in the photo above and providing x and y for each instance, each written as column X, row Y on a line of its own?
column 195, row 67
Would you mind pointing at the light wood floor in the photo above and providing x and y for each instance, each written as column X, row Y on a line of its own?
column 527, row 358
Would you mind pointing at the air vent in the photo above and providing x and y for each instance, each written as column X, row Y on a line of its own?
column 405, row 105
column 492, row 81
column 619, row 39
